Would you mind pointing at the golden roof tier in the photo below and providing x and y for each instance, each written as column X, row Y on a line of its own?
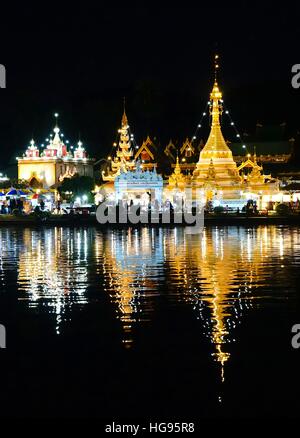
column 147, row 154
column 124, row 156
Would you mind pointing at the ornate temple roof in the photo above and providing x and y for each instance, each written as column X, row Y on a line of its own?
column 56, row 148
column 123, row 157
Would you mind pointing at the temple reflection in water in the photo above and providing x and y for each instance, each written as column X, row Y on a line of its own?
column 218, row 273
column 52, row 270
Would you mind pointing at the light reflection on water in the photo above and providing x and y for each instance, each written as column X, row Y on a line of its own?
column 220, row 274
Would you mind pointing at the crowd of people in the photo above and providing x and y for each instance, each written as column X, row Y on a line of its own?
column 8, row 206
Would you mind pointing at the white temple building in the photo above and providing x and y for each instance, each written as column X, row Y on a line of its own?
column 48, row 167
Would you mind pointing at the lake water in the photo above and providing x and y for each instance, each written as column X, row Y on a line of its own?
column 150, row 322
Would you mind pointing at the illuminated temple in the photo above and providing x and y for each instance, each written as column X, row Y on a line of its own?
column 48, row 167
column 216, row 175
column 123, row 159
column 209, row 170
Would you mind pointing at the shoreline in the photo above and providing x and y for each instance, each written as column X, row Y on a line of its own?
column 91, row 221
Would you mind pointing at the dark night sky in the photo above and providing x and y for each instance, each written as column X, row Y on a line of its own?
column 80, row 61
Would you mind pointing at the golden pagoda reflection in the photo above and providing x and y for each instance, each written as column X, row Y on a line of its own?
column 128, row 259
column 218, row 273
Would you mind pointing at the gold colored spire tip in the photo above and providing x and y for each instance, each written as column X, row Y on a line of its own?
column 124, row 117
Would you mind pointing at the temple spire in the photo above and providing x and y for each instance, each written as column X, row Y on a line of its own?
column 124, row 117
column 216, row 143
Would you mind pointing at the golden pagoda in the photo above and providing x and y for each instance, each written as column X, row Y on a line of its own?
column 124, row 157
column 177, row 181
column 216, row 165
column 254, row 180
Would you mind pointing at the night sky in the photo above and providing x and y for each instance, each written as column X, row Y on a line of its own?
column 80, row 61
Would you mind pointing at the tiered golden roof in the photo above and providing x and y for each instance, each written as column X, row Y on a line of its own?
column 123, row 159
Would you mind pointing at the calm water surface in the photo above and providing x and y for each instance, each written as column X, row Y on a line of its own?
column 141, row 323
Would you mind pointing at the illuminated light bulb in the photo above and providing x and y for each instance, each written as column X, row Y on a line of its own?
column 109, row 158
column 216, row 56
column 114, row 144
column 238, row 135
column 67, row 141
column 217, row 65
column 47, row 139
column 232, row 123
column 204, row 114
column 226, row 112
column 244, row 146
column 56, row 115
column 194, row 138
column 79, row 143
column 199, row 126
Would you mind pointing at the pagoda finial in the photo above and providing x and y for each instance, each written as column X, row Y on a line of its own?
column 254, row 156
column 216, row 67
column 56, row 117
column 124, row 118
column 177, row 167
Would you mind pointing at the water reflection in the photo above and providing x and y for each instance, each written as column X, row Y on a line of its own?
column 51, row 267
column 133, row 269
column 220, row 274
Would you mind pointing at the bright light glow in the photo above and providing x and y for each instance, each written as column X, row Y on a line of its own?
column 85, row 198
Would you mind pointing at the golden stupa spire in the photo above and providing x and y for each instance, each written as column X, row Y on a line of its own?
column 177, row 167
column 254, row 156
column 124, row 117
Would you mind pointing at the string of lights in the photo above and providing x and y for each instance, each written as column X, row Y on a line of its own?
column 208, row 106
column 232, row 123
